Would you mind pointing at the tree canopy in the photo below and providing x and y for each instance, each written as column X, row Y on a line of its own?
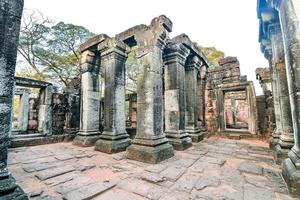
column 50, row 49
column 212, row 54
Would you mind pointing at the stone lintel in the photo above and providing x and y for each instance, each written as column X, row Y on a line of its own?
column 185, row 40
column 92, row 43
column 21, row 91
column 26, row 82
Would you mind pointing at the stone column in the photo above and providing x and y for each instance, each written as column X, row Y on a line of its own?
column 174, row 96
column 90, row 100
column 23, row 111
column 277, row 131
column 202, row 91
column 289, row 12
column 150, row 144
column 45, row 111
column 286, row 140
column 191, row 75
column 10, row 19
column 114, row 138
column 72, row 102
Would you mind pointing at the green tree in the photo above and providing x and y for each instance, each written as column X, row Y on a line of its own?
column 212, row 54
column 51, row 49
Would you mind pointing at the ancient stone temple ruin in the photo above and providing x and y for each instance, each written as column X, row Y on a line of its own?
column 231, row 100
column 181, row 112
column 280, row 43
column 169, row 74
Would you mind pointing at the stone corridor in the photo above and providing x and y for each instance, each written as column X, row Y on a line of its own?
column 214, row 169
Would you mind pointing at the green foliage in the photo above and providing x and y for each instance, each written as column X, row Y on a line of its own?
column 51, row 49
column 212, row 54
column 131, row 69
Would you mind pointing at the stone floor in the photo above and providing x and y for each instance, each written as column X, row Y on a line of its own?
column 212, row 169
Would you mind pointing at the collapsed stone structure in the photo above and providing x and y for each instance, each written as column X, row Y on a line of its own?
column 231, row 100
column 280, row 43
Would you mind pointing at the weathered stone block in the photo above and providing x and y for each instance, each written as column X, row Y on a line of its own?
column 86, row 140
column 112, row 145
column 291, row 176
column 150, row 154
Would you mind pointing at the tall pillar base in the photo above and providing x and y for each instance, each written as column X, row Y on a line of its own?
column 86, row 139
column 10, row 190
column 273, row 140
column 150, row 150
column 280, row 154
column 196, row 134
column 110, row 143
column 179, row 139
column 291, row 176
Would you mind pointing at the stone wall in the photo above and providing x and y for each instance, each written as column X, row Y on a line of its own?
column 58, row 114
column 231, row 102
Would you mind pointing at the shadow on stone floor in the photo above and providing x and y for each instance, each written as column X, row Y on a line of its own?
column 212, row 169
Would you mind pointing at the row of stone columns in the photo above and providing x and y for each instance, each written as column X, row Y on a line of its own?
column 281, row 44
column 151, row 143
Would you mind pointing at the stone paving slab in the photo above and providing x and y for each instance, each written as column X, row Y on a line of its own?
column 214, row 169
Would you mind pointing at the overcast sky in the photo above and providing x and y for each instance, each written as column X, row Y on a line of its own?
column 230, row 25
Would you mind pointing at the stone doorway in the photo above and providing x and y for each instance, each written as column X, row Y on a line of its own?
column 236, row 111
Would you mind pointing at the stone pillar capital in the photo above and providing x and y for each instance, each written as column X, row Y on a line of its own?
column 89, row 61
column 194, row 63
column 176, row 53
column 112, row 47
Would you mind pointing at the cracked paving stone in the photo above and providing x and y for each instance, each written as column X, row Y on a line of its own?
column 186, row 182
column 251, row 168
column 251, row 192
column 89, row 191
column 184, row 162
column 36, row 192
column 152, row 177
column 46, row 174
column 143, row 188
column 115, row 194
column 157, row 168
column 207, row 181
column 64, row 157
column 212, row 160
column 62, row 178
column 85, row 166
column 73, row 184
column 275, row 180
column 173, row 173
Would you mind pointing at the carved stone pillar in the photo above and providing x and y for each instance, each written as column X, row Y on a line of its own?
column 72, row 102
column 23, row 109
column 45, row 111
column 175, row 57
column 286, row 140
column 90, row 100
column 277, row 131
column 114, row 138
column 202, row 95
column 10, row 19
column 150, row 144
column 289, row 12
column 191, row 75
